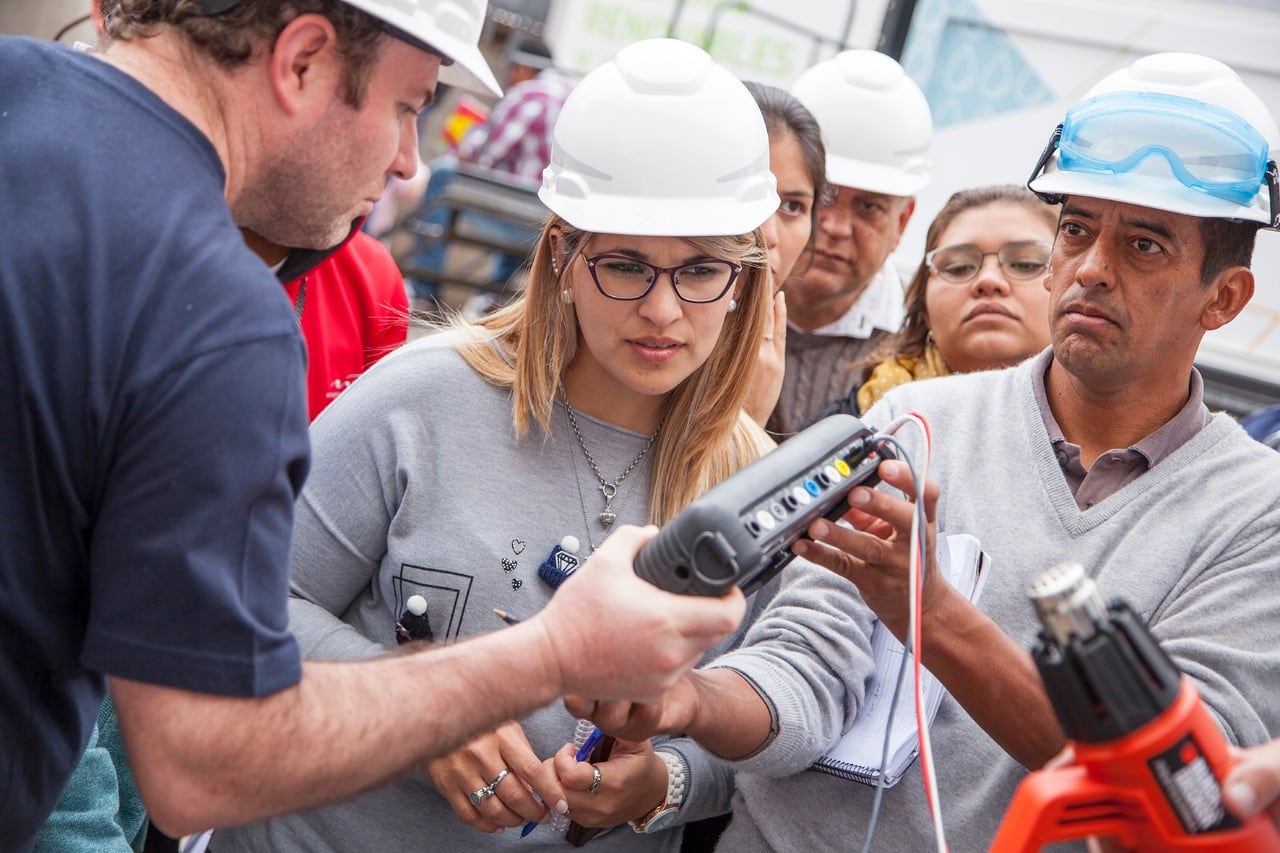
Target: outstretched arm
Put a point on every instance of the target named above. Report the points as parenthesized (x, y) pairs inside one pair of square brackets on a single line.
[(718, 708), (203, 760)]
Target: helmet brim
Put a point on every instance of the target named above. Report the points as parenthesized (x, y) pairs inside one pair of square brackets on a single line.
[(889, 180), (449, 29), (469, 69), (686, 218)]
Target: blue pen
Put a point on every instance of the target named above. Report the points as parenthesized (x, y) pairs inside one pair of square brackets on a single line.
[(589, 744), (582, 754)]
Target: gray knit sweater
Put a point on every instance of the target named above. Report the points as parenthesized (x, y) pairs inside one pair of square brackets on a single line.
[(1193, 545), (418, 486)]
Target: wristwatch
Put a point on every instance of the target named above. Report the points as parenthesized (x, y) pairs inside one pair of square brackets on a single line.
[(666, 812)]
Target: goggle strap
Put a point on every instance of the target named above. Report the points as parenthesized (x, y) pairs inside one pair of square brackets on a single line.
[(1045, 156), (1273, 184)]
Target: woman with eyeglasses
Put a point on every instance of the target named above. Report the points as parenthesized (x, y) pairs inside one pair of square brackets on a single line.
[(476, 469), (977, 300)]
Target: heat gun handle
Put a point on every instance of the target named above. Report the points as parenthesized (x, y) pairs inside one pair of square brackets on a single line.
[(1158, 788)]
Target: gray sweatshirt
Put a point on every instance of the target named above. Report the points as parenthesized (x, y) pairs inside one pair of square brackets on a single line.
[(419, 486), (1193, 545)]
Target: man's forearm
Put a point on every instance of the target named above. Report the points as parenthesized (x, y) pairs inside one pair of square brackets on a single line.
[(731, 720), (206, 760), (994, 680)]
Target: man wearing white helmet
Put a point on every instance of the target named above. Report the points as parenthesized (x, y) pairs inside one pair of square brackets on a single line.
[(1100, 450), (153, 419), (877, 127)]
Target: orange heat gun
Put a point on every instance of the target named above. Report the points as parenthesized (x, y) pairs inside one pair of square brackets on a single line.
[(1148, 757)]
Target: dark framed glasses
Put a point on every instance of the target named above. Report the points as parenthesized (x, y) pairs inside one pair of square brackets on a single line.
[(1021, 261), (625, 278)]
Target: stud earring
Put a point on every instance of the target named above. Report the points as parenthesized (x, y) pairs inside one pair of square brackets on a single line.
[(566, 296), (733, 304)]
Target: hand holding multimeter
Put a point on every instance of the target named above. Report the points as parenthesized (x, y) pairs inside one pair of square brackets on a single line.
[(741, 531)]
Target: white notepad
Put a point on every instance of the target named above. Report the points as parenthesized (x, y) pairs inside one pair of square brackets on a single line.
[(857, 754)]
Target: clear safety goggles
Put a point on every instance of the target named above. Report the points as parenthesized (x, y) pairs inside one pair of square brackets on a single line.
[(1207, 148)]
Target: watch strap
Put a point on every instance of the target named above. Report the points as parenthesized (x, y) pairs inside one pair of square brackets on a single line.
[(676, 788)]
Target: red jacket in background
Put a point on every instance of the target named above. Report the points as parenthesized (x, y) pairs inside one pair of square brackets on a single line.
[(354, 311)]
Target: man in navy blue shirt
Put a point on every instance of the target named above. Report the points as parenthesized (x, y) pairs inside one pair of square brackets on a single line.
[(153, 418)]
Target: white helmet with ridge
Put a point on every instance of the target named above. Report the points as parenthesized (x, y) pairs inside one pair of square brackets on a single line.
[(660, 141), (450, 28), (1173, 131), (875, 122)]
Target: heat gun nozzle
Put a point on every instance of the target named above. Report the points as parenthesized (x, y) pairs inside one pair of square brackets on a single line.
[(1067, 603)]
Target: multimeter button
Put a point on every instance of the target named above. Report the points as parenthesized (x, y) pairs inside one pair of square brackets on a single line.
[(843, 467), (789, 501), (822, 478), (832, 474), (753, 528), (812, 488), (765, 520), (778, 510), (800, 496)]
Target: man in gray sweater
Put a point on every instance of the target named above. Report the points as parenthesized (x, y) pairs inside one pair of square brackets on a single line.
[(1099, 451)]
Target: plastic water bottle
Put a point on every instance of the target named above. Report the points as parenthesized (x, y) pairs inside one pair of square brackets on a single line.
[(560, 822)]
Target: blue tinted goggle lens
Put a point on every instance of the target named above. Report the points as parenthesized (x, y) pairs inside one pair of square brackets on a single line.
[(1206, 147)]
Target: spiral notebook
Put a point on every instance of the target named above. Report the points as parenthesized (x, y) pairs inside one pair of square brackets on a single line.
[(857, 754)]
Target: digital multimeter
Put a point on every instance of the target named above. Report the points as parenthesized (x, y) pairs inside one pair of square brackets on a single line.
[(741, 531)]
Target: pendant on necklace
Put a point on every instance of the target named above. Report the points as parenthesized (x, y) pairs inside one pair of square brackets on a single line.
[(608, 516)]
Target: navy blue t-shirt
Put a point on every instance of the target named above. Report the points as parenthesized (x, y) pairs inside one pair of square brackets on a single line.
[(153, 425), (1264, 425)]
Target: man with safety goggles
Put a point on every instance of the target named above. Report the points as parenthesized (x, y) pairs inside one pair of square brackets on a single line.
[(1101, 449)]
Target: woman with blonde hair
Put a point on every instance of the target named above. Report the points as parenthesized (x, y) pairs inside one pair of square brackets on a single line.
[(475, 469)]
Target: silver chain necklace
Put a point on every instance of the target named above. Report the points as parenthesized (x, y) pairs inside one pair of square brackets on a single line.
[(609, 490), (582, 502)]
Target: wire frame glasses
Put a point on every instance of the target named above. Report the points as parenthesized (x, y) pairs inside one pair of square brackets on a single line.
[(1023, 260)]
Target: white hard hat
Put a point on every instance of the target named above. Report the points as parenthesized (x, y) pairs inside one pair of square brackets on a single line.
[(450, 28), (1173, 131), (875, 122), (660, 141)]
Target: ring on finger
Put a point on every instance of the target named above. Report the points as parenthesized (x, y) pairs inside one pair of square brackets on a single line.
[(595, 780), (481, 794)]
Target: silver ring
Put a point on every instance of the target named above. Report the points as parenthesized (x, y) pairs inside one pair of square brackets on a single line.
[(595, 780), (768, 337), (481, 794)]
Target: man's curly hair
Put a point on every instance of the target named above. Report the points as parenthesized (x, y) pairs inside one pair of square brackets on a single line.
[(230, 38)]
